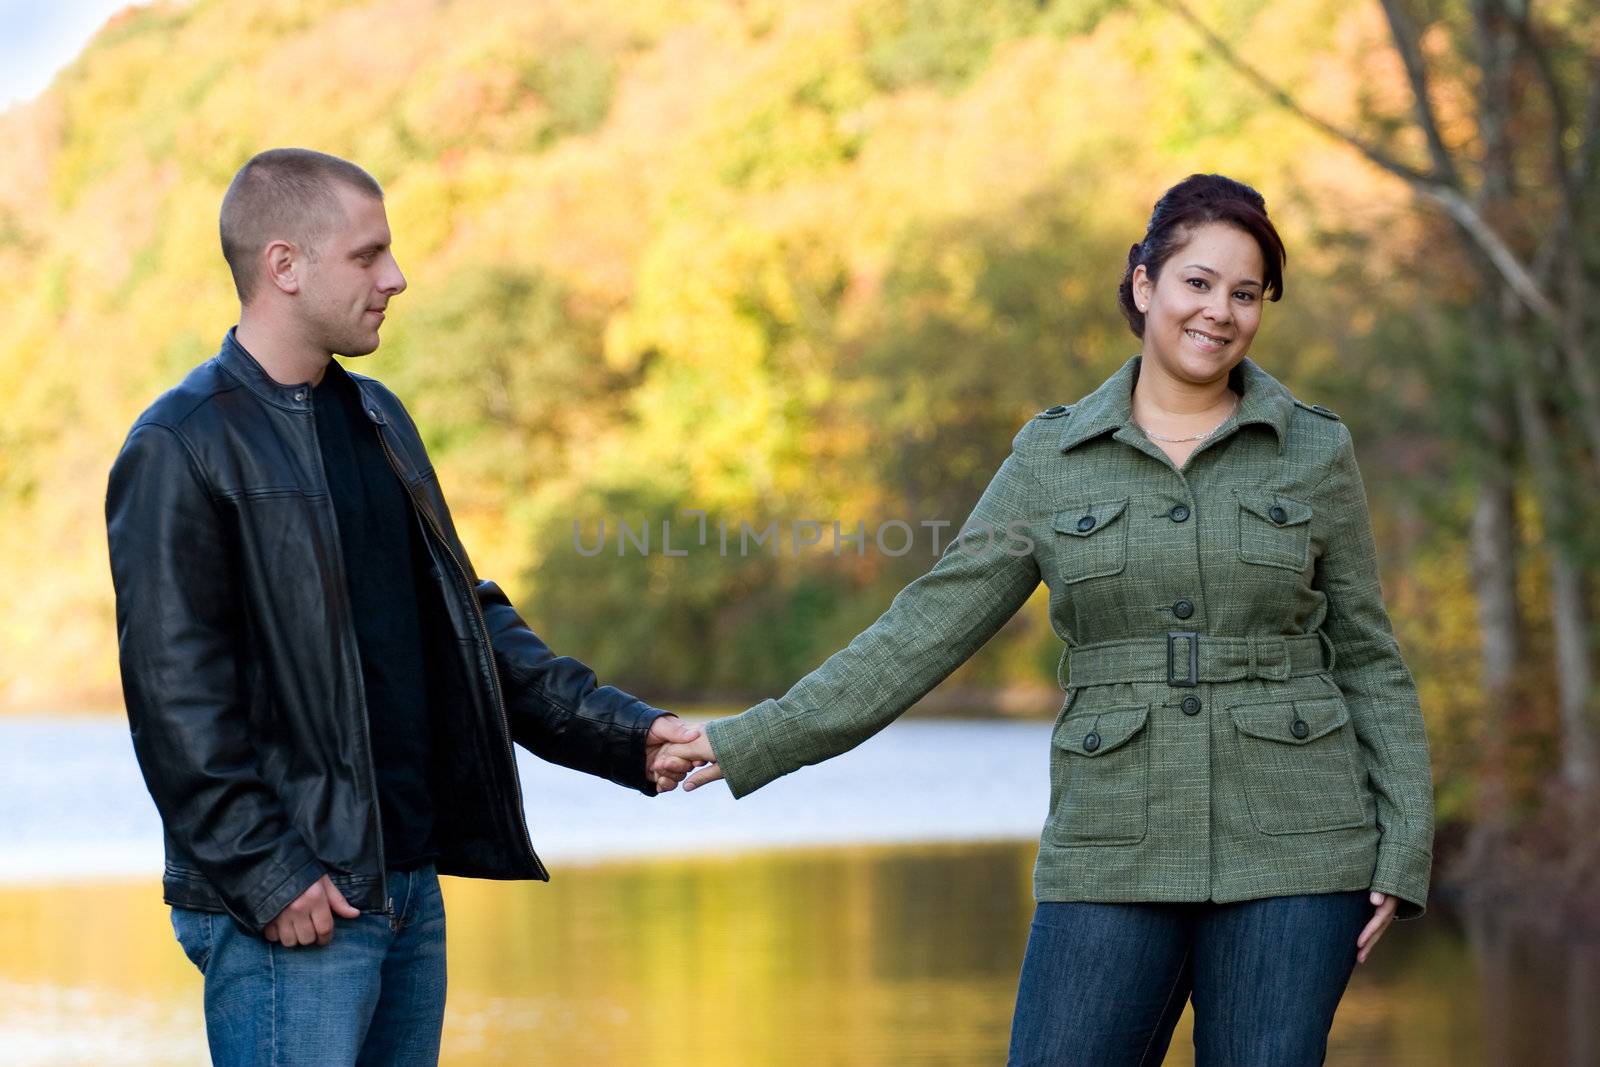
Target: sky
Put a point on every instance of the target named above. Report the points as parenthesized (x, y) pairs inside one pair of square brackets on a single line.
[(39, 37)]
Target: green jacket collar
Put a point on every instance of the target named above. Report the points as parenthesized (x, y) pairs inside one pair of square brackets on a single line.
[(1263, 400)]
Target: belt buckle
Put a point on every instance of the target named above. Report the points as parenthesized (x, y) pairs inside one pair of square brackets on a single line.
[(1192, 677)]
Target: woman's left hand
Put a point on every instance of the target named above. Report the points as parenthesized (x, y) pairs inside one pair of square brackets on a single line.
[(1377, 924)]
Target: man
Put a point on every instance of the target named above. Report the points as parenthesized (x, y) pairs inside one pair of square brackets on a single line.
[(322, 693)]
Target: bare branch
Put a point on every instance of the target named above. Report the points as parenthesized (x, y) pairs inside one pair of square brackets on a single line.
[(1511, 268), (1406, 43), (1442, 192), (1281, 97)]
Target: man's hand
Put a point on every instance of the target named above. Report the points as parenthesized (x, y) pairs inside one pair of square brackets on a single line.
[(666, 733), (696, 753), (309, 920), (1375, 927)]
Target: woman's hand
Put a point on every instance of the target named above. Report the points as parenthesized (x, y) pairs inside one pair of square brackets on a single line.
[(1375, 926), (699, 754)]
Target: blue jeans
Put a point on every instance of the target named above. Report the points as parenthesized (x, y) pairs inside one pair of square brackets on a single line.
[(1104, 984), (373, 995)]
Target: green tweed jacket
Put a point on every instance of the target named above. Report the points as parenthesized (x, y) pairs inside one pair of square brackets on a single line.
[(1238, 722)]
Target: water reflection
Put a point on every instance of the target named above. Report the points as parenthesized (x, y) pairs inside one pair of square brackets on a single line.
[(861, 957)]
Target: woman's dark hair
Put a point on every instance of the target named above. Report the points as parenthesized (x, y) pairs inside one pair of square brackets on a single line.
[(1199, 199)]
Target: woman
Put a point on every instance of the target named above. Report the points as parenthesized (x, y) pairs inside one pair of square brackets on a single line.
[(1240, 789)]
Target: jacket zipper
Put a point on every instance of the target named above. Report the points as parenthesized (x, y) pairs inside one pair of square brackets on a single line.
[(483, 633), (361, 686)]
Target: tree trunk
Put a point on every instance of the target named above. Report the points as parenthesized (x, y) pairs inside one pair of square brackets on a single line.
[(1569, 611), (1493, 553), (1494, 584)]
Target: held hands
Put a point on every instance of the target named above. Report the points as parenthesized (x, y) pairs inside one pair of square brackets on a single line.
[(661, 762), (309, 919), (696, 754), (1375, 927)]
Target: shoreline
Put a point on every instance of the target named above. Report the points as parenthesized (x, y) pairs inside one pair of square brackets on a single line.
[(73, 806)]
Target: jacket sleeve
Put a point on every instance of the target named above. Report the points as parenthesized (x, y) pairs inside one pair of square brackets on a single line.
[(557, 709), (1377, 686), (932, 627), (178, 628)]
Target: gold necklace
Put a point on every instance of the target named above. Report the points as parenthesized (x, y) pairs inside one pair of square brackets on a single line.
[(1196, 437)]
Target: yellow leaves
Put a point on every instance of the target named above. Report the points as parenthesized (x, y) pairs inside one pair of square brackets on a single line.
[(768, 247), (1452, 96), (420, 207)]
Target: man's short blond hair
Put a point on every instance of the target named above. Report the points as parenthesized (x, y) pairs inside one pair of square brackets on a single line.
[(284, 194)]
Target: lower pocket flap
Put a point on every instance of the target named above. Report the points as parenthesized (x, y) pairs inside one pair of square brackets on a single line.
[(1291, 722), (1103, 731)]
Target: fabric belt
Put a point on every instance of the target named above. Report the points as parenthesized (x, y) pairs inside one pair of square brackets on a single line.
[(1187, 658)]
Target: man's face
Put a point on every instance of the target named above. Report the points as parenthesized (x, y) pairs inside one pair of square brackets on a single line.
[(347, 285), (1202, 312)]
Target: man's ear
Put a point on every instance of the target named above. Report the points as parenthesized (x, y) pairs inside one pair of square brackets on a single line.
[(280, 260)]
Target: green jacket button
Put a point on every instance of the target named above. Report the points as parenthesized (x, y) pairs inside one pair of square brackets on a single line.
[(1183, 609), (1086, 524), (1091, 742), (1300, 729), (1179, 513), (1190, 705), (1277, 514)]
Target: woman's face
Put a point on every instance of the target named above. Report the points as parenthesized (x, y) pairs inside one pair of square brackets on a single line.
[(1202, 312)]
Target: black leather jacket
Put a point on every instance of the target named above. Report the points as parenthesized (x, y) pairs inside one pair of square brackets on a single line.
[(240, 667)]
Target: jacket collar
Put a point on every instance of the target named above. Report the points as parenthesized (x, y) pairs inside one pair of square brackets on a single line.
[(1263, 400), (238, 361), (242, 365)]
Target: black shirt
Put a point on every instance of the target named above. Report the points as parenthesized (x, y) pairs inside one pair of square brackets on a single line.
[(385, 563)]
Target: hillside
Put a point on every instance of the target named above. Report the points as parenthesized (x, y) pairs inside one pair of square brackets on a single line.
[(770, 261)]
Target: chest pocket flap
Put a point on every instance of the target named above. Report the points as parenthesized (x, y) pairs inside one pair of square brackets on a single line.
[(1274, 530), (1093, 541), (1088, 520), (1273, 508)]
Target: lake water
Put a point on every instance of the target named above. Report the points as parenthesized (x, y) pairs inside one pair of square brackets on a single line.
[(867, 913)]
